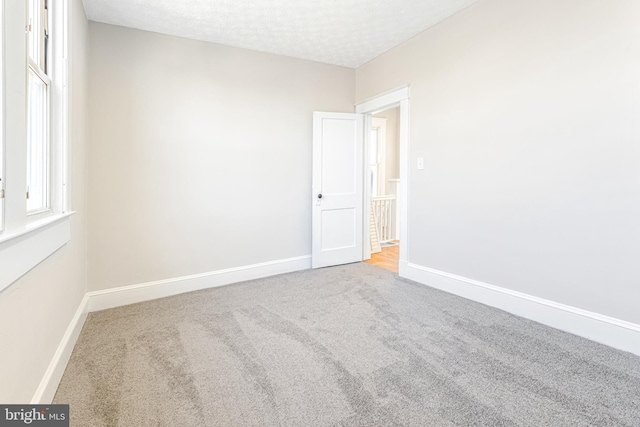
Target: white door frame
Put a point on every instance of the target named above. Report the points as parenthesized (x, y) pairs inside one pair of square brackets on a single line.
[(395, 98)]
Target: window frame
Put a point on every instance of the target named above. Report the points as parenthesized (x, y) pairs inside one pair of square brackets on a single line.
[(46, 148), (26, 240), (39, 41), (2, 120), (379, 126)]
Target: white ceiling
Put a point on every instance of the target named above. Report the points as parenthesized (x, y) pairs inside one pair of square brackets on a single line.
[(341, 32)]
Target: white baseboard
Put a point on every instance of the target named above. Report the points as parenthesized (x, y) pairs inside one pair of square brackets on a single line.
[(109, 298), (51, 379), (603, 329), (116, 297), (596, 327)]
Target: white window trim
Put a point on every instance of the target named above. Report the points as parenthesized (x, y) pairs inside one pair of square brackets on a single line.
[(379, 124), (23, 250), (2, 109), (37, 214), (26, 240)]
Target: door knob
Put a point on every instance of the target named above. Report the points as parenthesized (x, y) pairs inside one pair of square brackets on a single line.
[(320, 196)]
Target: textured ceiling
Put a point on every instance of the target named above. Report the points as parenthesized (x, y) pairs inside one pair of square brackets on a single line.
[(341, 32)]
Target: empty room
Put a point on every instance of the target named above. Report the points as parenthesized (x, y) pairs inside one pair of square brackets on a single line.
[(327, 213)]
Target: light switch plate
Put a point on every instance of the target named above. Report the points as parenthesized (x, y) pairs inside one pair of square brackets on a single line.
[(420, 163)]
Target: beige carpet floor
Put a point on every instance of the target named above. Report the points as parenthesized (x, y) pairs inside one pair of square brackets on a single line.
[(351, 345)]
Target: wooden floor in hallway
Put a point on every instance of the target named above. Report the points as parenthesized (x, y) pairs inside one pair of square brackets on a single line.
[(387, 259)]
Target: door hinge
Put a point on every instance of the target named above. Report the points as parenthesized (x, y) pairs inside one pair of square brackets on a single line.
[(1, 193)]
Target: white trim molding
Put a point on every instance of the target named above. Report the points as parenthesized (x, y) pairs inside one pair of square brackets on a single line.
[(383, 101), (23, 250), (116, 297), (51, 379), (596, 327)]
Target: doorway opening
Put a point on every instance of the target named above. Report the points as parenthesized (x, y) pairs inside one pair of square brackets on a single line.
[(383, 180), (392, 230)]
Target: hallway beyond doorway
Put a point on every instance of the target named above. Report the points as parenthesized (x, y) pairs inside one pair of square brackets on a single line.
[(387, 259)]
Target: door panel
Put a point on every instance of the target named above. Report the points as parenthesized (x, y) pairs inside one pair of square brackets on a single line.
[(333, 222), (337, 189), (338, 156)]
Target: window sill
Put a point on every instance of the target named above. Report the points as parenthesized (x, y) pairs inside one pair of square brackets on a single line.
[(22, 250)]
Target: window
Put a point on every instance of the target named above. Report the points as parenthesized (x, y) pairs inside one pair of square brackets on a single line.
[(2, 178), (38, 117), (376, 148), (374, 163), (33, 135)]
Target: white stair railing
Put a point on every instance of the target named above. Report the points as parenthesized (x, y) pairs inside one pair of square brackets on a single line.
[(394, 189), (383, 208), (373, 232)]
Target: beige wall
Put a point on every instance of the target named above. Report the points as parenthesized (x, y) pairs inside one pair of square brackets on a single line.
[(526, 113), (36, 310), (392, 145), (200, 154)]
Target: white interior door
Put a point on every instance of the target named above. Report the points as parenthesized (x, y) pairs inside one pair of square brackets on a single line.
[(337, 189)]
